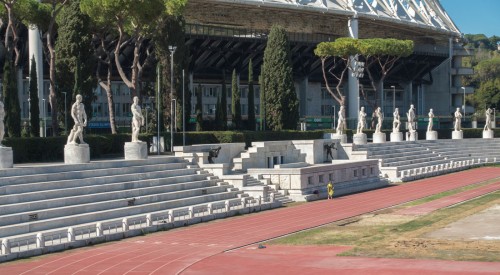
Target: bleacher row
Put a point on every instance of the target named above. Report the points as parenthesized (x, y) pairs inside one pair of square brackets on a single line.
[(45, 208), (403, 161)]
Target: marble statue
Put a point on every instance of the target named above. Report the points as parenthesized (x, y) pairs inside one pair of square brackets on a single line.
[(380, 119), (431, 121), (489, 116), (361, 120), (2, 126), (137, 119), (411, 118), (80, 118), (341, 121), (397, 121), (458, 120)]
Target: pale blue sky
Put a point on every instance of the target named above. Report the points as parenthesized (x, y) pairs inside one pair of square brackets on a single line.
[(475, 16)]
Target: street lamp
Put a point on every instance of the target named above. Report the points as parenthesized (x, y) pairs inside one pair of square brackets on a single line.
[(183, 113), (172, 51), (463, 106), (174, 107), (65, 114), (393, 97), (44, 122)]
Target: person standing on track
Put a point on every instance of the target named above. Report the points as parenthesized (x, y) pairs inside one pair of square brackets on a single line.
[(329, 188)]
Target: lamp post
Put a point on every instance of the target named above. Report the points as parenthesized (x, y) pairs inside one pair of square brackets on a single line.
[(172, 51), (65, 114), (463, 106), (158, 110), (44, 122), (174, 107), (183, 113), (393, 97)]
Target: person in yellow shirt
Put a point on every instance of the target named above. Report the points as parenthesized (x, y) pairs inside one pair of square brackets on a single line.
[(329, 188)]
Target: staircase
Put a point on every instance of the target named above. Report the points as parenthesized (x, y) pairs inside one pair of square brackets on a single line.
[(279, 195), (49, 199)]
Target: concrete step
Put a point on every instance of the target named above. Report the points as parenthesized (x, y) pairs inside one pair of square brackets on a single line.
[(124, 211), (160, 186), (114, 200), (60, 184), (81, 174)]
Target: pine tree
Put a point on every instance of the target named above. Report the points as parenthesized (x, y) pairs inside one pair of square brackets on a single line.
[(235, 103), (199, 112), (223, 105), (34, 108), (11, 101), (282, 104), (251, 103)]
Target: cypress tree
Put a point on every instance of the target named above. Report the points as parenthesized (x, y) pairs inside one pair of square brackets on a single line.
[(218, 115), (199, 112), (235, 103), (11, 101), (282, 104), (251, 103), (223, 105), (262, 104), (34, 108)]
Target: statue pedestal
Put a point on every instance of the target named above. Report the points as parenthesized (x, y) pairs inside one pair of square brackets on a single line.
[(411, 136), (431, 135), (359, 139), (76, 153), (457, 135), (343, 138), (136, 150), (6, 157), (379, 138), (488, 134), (396, 137)]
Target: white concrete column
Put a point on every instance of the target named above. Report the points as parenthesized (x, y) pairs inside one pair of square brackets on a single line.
[(35, 50), (353, 93), (71, 234), (5, 247), (40, 240), (98, 229)]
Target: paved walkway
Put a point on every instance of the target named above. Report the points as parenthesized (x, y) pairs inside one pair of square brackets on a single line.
[(179, 250)]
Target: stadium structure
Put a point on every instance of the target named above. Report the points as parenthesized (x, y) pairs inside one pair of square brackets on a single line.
[(223, 35)]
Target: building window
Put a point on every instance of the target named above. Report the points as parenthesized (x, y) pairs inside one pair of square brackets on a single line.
[(117, 110), (310, 180), (244, 92), (126, 110), (363, 172), (256, 92), (244, 109), (209, 109), (326, 110), (321, 179), (355, 173)]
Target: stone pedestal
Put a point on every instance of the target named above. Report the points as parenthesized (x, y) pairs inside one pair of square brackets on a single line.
[(343, 138), (76, 153), (411, 136), (396, 137), (136, 150), (6, 157), (488, 134), (431, 135), (359, 138), (457, 135), (379, 138)]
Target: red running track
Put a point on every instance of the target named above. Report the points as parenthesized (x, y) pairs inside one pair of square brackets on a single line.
[(177, 250)]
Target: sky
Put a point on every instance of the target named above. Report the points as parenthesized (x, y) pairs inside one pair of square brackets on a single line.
[(474, 16)]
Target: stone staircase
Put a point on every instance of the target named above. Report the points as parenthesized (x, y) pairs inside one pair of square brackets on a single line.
[(279, 195), (266, 155), (49, 199), (402, 161)]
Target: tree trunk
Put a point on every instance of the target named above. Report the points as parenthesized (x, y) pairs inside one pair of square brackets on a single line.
[(52, 79)]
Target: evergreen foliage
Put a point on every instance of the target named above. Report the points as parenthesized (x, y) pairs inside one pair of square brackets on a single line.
[(75, 57), (251, 95), (223, 105), (34, 101), (11, 101), (199, 109), (282, 104), (218, 115), (236, 103)]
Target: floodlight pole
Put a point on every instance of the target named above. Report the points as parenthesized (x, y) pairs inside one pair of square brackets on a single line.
[(183, 112), (393, 98), (172, 51)]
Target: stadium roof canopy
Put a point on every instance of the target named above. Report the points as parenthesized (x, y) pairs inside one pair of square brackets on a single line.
[(419, 13)]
